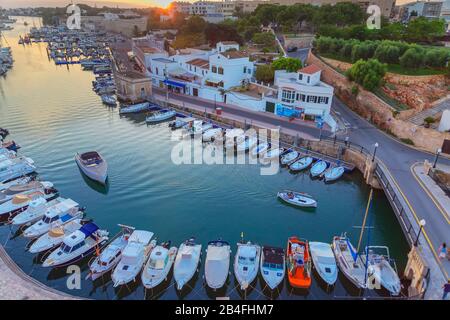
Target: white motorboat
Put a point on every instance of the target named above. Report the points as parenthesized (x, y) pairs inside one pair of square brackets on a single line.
[(158, 265), (6, 154), (186, 262), (273, 153), (247, 144), (161, 115), (78, 245), (133, 258), (289, 157), (318, 168), (273, 261), (109, 100), (260, 149), (54, 237), (217, 263), (20, 202), (349, 261), (111, 255), (39, 206), (381, 269), (135, 108), (11, 169), (301, 164), (333, 173), (54, 216), (233, 136), (246, 263), (93, 165), (298, 199), (24, 189), (17, 182), (212, 134), (324, 261), (206, 126)]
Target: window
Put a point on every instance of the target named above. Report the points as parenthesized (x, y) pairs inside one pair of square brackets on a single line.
[(220, 70), (288, 96), (323, 100), (312, 99), (157, 72), (297, 97), (214, 69), (300, 76), (245, 69), (307, 80), (302, 97)]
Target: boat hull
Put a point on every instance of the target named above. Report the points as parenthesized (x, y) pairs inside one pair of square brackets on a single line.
[(98, 173)]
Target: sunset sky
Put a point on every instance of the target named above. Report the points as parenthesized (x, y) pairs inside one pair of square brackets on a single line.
[(120, 3)]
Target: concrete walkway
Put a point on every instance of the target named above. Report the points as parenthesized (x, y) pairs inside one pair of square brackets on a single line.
[(16, 285)]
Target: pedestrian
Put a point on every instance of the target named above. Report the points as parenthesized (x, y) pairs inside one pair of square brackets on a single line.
[(443, 251), (446, 288)]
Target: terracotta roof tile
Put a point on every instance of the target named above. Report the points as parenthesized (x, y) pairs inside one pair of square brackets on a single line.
[(311, 69)]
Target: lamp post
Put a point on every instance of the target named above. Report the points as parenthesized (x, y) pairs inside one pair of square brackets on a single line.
[(438, 152), (374, 151), (346, 141), (421, 224)]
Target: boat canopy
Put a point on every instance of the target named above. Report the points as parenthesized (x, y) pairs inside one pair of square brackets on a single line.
[(20, 198), (141, 236), (247, 251), (89, 228), (273, 255)]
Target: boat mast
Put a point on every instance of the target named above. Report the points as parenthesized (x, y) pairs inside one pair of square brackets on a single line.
[(365, 219)]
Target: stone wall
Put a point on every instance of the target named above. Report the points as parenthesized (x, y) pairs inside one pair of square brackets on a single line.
[(377, 111)]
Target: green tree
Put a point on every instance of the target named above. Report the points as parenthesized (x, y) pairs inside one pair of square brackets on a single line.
[(413, 57), (264, 73), (288, 64), (368, 73), (436, 58), (264, 39)]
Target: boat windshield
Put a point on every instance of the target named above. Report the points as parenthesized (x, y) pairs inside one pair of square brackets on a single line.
[(246, 261), (274, 266), (49, 219), (158, 264), (65, 248)]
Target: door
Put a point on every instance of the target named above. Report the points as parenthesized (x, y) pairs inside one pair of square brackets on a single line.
[(195, 92)]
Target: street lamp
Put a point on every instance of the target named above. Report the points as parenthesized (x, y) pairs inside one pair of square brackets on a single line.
[(346, 140), (421, 224), (438, 152), (374, 151)]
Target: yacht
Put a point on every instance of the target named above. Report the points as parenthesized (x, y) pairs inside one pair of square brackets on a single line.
[(11, 169), (24, 189), (16, 182)]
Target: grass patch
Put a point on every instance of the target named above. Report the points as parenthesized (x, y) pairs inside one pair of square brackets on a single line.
[(407, 141), (398, 106)]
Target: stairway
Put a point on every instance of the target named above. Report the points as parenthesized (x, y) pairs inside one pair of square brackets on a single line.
[(419, 117)]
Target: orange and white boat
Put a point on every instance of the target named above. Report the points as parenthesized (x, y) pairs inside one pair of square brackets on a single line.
[(298, 263)]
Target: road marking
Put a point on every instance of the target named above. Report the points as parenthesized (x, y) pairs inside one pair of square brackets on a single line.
[(444, 214)]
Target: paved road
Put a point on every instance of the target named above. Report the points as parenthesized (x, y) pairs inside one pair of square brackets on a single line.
[(301, 53), (399, 158)]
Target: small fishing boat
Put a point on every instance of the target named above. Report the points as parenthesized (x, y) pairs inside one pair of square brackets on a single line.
[(247, 144), (381, 269), (78, 245), (12, 169), (273, 154), (111, 255), (233, 136), (333, 174), (301, 164), (93, 165), (260, 149), (158, 265), (54, 237), (217, 263), (135, 108), (162, 115), (179, 122), (206, 126), (24, 189), (16, 182), (273, 266), (186, 262), (318, 168), (135, 254), (349, 261), (298, 199), (10, 145), (324, 261), (109, 100), (39, 206), (298, 263), (52, 217), (212, 134), (246, 263), (289, 157)]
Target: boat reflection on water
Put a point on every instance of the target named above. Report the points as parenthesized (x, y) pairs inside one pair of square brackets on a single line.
[(97, 186)]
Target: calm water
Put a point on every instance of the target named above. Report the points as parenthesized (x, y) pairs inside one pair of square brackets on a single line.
[(53, 113)]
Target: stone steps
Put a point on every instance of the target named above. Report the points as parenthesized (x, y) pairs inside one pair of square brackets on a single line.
[(420, 117)]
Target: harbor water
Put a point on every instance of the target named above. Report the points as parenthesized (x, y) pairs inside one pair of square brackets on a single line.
[(52, 112)]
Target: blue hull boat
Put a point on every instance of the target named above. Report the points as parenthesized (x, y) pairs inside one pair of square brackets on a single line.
[(318, 168), (333, 174)]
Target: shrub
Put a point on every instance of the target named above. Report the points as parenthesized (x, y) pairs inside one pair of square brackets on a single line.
[(407, 141), (368, 73), (412, 58), (429, 120), (288, 64), (264, 73), (355, 90)]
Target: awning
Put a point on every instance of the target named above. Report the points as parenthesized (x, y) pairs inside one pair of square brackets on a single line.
[(216, 81), (174, 84), (314, 112)]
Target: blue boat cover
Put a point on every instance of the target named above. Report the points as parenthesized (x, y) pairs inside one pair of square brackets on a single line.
[(89, 228)]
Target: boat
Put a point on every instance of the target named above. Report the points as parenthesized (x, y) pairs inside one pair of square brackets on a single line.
[(54, 237), (158, 265), (212, 134), (4, 132), (247, 144), (334, 173), (273, 154), (93, 165), (78, 245), (233, 136), (111, 255), (260, 149), (186, 262), (206, 126), (52, 217), (135, 108), (324, 261), (162, 115), (273, 266), (12, 169), (9, 193), (246, 263), (318, 168), (20, 202), (217, 263), (16, 182), (179, 122), (109, 100), (289, 157), (10, 145), (135, 254), (381, 269), (301, 164), (39, 206), (298, 263), (298, 199), (349, 261)]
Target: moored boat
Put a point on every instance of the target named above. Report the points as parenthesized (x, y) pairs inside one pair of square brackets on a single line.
[(109, 100), (289, 157), (212, 134), (186, 262), (161, 115), (24, 189), (247, 144), (12, 169), (298, 263), (273, 266), (301, 164), (135, 108), (158, 265), (260, 149), (16, 182), (298, 199), (246, 263), (93, 165), (333, 173), (217, 263), (318, 168), (273, 154), (324, 261)]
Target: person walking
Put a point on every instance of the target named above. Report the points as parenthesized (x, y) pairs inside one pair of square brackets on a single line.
[(443, 251), (446, 288)]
